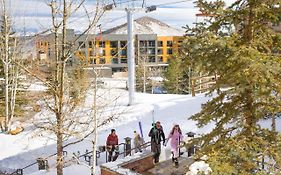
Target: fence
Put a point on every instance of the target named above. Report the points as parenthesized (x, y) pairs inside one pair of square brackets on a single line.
[(202, 83), (127, 150)]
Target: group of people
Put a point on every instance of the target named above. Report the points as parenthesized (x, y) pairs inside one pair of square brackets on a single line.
[(157, 136)]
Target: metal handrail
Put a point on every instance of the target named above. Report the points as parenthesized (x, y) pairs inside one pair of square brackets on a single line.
[(145, 145)]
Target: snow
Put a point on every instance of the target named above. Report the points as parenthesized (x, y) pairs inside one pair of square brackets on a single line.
[(23, 149), (199, 167), (115, 166), (74, 169), (38, 86), (147, 25)]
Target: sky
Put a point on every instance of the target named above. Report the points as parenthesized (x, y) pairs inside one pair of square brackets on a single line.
[(34, 15)]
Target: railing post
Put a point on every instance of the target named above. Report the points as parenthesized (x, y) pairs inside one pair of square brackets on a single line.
[(191, 149), (19, 172), (127, 146), (42, 163), (97, 156), (87, 157)]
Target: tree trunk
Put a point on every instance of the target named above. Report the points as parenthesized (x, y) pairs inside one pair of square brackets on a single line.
[(14, 86), (95, 139), (60, 160), (6, 63), (273, 124)]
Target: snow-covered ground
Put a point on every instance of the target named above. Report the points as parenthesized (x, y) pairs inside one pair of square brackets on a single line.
[(21, 150)]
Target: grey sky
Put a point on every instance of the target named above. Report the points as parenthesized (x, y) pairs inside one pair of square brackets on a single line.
[(34, 15)]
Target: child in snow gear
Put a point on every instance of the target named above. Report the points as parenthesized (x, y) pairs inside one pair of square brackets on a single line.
[(138, 141), (175, 136), (112, 145), (156, 133)]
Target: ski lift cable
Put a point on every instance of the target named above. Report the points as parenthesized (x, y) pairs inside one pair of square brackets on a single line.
[(171, 3), (123, 2)]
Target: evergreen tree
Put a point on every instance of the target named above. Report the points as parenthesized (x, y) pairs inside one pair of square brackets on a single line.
[(238, 44), (176, 75)]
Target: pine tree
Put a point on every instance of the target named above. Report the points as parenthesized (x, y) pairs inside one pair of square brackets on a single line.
[(176, 76), (238, 44)]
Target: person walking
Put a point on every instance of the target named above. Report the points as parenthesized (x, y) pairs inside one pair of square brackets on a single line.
[(112, 145), (157, 135), (138, 142), (175, 136)]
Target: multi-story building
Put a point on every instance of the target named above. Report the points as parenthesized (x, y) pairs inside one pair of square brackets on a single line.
[(155, 43)]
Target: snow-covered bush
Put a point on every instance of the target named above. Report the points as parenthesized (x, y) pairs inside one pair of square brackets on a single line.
[(199, 167)]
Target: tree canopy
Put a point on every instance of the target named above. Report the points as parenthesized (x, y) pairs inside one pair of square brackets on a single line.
[(238, 44)]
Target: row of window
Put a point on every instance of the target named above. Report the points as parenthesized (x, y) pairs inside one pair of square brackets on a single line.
[(151, 51), (143, 51), (151, 43), (124, 60), (101, 44), (113, 52), (114, 44)]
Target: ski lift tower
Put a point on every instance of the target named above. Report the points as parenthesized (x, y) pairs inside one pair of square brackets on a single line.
[(130, 42)]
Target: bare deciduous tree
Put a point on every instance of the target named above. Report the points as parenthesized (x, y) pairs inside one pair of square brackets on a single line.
[(8, 55)]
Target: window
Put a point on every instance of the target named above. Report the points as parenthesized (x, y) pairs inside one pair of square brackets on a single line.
[(124, 52), (142, 43), (93, 61), (102, 61), (114, 61), (123, 60), (123, 44), (151, 59), (170, 51), (151, 43), (160, 43), (113, 52), (169, 43), (81, 44), (151, 51), (91, 53), (143, 51), (90, 44), (160, 59), (102, 44), (103, 52), (113, 44), (160, 51)]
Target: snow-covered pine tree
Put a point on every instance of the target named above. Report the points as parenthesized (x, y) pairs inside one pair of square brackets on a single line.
[(238, 44)]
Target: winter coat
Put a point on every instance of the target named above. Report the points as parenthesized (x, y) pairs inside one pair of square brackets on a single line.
[(112, 140), (156, 135), (175, 137), (138, 140)]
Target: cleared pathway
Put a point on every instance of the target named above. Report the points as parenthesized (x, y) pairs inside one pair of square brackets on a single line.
[(167, 167)]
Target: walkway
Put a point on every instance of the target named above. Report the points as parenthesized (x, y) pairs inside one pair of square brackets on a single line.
[(167, 167)]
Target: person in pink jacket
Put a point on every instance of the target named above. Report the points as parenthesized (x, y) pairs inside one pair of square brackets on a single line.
[(175, 136)]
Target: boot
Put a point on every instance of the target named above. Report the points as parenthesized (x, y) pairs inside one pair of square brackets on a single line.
[(176, 162)]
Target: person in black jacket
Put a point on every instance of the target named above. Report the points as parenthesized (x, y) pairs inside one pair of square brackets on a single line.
[(157, 135)]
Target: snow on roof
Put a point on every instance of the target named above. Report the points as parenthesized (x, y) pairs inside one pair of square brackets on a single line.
[(147, 25), (115, 166)]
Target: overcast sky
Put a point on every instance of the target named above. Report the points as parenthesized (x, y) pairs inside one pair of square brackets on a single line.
[(34, 15)]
